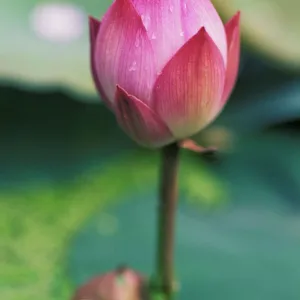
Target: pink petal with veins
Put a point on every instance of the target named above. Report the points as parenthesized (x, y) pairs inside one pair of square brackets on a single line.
[(123, 53), (186, 95), (201, 13), (94, 25), (140, 122), (162, 20), (233, 59)]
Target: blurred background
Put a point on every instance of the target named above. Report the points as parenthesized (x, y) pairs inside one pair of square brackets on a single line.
[(77, 197)]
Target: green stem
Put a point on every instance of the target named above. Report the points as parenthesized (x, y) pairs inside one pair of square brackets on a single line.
[(166, 220)]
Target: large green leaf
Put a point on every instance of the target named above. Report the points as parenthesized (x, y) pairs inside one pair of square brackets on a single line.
[(246, 250), (37, 220), (37, 61), (261, 106), (271, 26)]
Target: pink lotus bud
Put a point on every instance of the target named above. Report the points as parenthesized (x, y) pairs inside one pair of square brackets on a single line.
[(123, 284), (164, 67)]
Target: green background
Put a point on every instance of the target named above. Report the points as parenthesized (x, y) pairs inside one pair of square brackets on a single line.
[(77, 197)]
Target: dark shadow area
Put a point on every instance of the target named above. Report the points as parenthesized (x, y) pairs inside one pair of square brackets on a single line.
[(53, 136)]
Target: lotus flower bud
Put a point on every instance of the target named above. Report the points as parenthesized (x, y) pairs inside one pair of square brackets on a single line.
[(164, 67), (122, 284)]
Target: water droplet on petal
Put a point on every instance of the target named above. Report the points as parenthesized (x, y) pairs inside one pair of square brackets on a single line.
[(153, 36), (181, 33), (184, 6), (171, 8), (137, 40), (132, 67)]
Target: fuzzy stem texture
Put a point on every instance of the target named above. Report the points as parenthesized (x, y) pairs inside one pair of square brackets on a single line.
[(168, 194)]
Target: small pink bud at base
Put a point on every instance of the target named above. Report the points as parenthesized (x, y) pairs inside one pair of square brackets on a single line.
[(121, 284)]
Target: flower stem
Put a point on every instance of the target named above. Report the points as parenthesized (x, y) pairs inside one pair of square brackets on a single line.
[(166, 220)]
